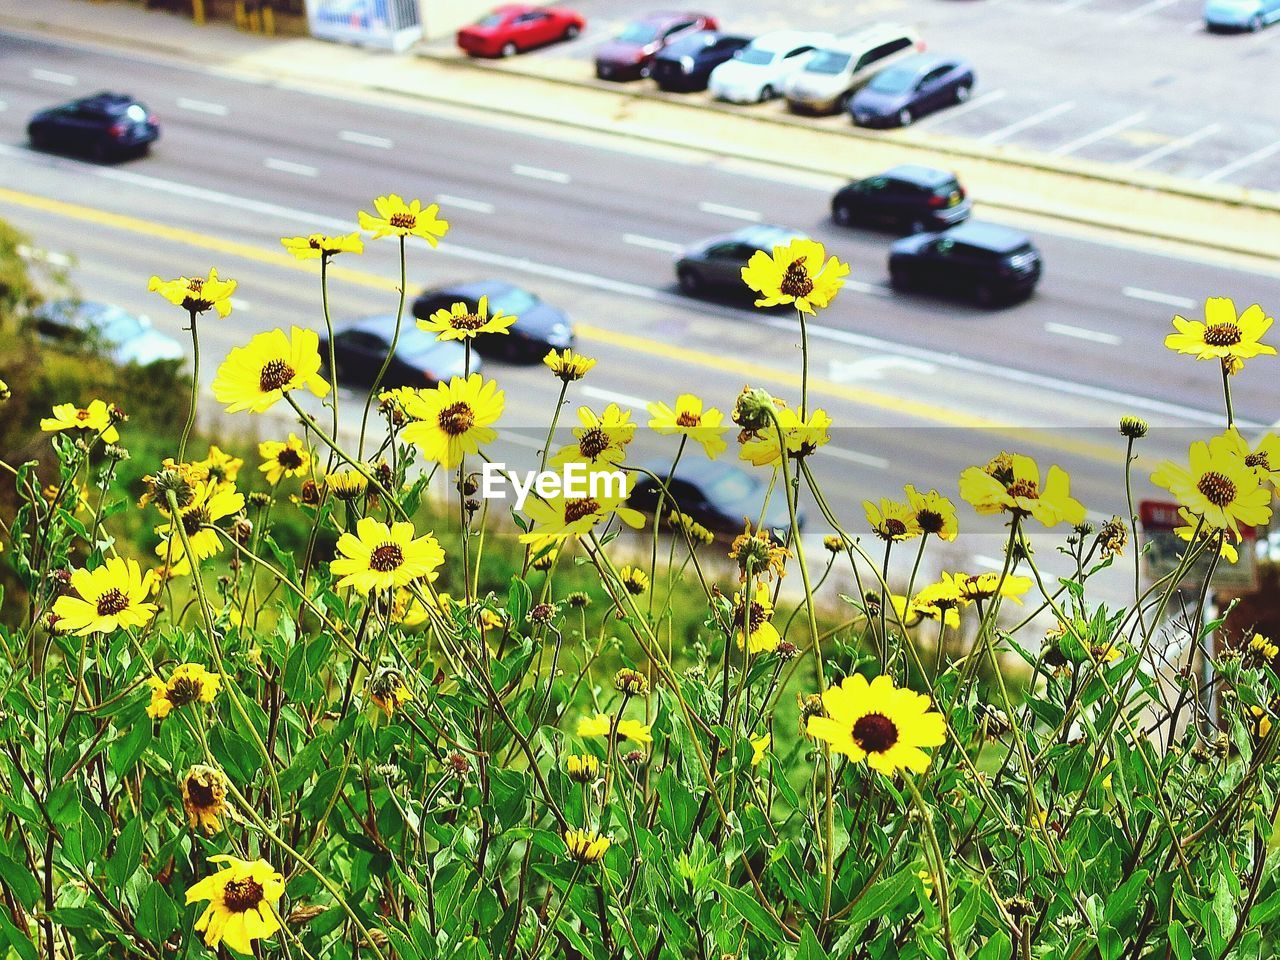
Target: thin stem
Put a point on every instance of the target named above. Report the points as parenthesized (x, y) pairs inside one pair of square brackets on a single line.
[(386, 364), (195, 388)]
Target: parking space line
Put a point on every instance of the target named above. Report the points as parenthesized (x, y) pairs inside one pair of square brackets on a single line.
[(1071, 146), (1150, 7), (203, 106), (942, 116), (1240, 163), (288, 166), (366, 139), (651, 243), (1173, 146), (538, 173), (611, 396), (1082, 333), (1155, 296), (53, 76), (462, 203), (738, 213), (1004, 133), (3, 106)]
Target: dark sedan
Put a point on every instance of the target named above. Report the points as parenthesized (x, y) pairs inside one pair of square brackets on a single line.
[(629, 55), (916, 86), (990, 263), (684, 66), (717, 494), (539, 327), (716, 264), (360, 347), (910, 198), (105, 126), (124, 337)]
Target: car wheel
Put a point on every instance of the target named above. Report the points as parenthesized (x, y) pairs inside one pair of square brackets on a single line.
[(571, 31), (766, 93), (842, 214), (900, 277), (690, 280), (904, 117), (962, 93), (509, 49)]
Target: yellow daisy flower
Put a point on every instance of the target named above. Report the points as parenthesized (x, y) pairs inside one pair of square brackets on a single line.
[(878, 723), (1217, 485), (630, 730), (689, 419), (559, 517), (346, 485), (582, 767), (891, 521), (1263, 459), (586, 846), (601, 439), (759, 747), (935, 600), (1225, 548), (189, 683), (634, 580), (242, 898), (1011, 483), (756, 552), (256, 376), (910, 614), (454, 419), (106, 599), (567, 365), (1222, 335), (95, 418), (204, 797), (218, 466), (378, 557), (209, 504), (690, 527), (317, 245), (802, 437), (460, 323), (752, 629), (197, 294), (389, 690), (280, 460), (798, 273), (984, 586), (399, 219), (935, 514), (5, 392), (1263, 648)]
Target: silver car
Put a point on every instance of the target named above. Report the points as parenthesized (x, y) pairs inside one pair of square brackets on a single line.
[(716, 263), (124, 337)]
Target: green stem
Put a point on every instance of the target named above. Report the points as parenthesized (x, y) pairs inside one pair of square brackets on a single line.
[(386, 364), (195, 389)]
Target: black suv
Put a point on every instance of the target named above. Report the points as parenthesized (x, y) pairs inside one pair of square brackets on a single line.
[(687, 64), (105, 126), (909, 198), (987, 262)]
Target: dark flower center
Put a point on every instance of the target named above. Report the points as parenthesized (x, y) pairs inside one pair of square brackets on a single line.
[(875, 733), (1024, 488), (1222, 335), (457, 418), (688, 419), (1259, 459), (112, 602), (200, 793), (184, 690), (241, 896), (82, 414), (796, 281), (1217, 489), (403, 221), (275, 375), (894, 527), (930, 521), (194, 519), (467, 321), (575, 510), (593, 442), (196, 284), (289, 458), (313, 242), (754, 613), (386, 557)]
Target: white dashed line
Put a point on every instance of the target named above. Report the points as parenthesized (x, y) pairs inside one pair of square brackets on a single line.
[(649, 243), (1082, 333), (991, 563), (852, 456), (288, 166), (738, 213), (1155, 296), (982, 100), (1070, 5), (612, 397), (1150, 7), (366, 139), (53, 76), (538, 173), (1173, 146), (203, 106), (3, 106), (462, 203), (44, 256), (1071, 146), (1004, 133), (1240, 163), (238, 304)]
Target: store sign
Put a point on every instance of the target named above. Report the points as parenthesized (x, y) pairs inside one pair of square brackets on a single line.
[(1162, 552)]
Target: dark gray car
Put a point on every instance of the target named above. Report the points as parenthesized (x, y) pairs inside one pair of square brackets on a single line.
[(539, 327), (918, 85), (716, 263)]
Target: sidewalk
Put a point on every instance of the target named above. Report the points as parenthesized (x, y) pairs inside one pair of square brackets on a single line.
[(1227, 219)]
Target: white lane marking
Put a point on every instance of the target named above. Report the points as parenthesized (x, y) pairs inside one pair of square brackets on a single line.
[(1070, 5), (366, 139), (1071, 146), (876, 368), (462, 203), (610, 396), (1240, 163), (982, 100), (45, 256), (991, 563), (1173, 146), (3, 106), (1150, 7), (238, 304), (853, 456), (1082, 333), (1004, 133), (649, 243), (288, 166), (203, 106), (540, 173), (738, 213), (53, 76), (1155, 296)]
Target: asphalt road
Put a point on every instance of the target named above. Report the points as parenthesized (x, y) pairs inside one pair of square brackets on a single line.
[(919, 388)]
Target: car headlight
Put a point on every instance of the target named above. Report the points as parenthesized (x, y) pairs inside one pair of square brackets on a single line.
[(686, 64)]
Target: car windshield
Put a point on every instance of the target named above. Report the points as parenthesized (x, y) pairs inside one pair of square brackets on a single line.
[(732, 488), (828, 61), (514, 301), (754, 56), (893, 81), (492, 20), (414, 341), (639, 33)]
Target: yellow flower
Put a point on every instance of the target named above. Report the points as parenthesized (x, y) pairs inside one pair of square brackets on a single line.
[(756, 552), (5, 392), (984, 586), (197, 294), (242, 898), (218, 466), (189, 683), (204, 797), (256, 376), (802, 437), (460, 323), (1108, 652), (586, 846), (106, 599), (879, 723), (288, 459), (582, 767), (602, 439), (891, 521), (558, 517), (399, 219), (689, 419), (634, 580), (1263, 647), (600, 725), (346, 485), (1259, 722), (1225, 548), (1264, 459), (910, 614), (759, 745), (454, 419), (378, 557), (690, 527), (935, 600), (1222, 335), (795, 274), (567, 365), (317, 245), (1011, 483), (1217, 486), (935, 514), (752, 629), (389, 691), (209, 504), (95, 418)]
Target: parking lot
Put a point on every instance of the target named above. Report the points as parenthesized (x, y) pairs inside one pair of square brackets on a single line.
[(1138, 83)]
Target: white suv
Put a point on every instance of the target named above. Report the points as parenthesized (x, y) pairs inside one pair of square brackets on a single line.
[(837, 70), (759, 71)]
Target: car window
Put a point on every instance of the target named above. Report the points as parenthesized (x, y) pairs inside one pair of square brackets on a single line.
[(874, 184), (894, 80), (722, 251), (116, 326), (798, 51), (492, 20), (934, 75), (755, 56), (828, 62), (733, 487), (678, 27), (513, 301), (944, 247), (639, 33), (885, 49)]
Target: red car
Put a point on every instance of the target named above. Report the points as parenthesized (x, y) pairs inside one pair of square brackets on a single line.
[(629, 55), (517, 27)]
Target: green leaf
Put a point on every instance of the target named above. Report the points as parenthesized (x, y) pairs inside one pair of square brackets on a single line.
[(882, 898), (157, 916), (1179, 941), (19, 879), (749, 909), (16, 939), (810, 948), (519, 600), (128, 853)]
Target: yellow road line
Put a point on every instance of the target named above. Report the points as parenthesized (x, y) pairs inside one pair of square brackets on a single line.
[(747, 369)]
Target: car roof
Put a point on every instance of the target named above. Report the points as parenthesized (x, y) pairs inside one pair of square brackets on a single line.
[(695, 41), (860, 40), (778, 40), (666, 16), (767, 235), (922, 62), (918, 173), (988, 236), (106, 102), (471, 290)]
